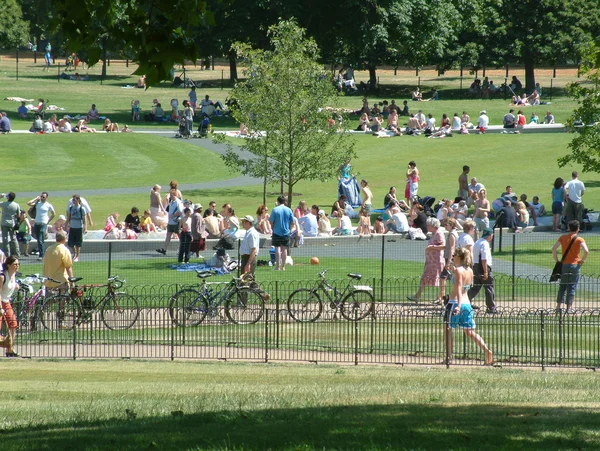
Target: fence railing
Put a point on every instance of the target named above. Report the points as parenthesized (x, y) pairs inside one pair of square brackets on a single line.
[(396, 331)]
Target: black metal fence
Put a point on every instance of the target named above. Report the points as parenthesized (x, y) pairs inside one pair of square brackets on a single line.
[(531, 333)]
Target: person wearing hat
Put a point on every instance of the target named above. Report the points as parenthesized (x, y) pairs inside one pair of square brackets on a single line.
[(483, 122), (198, 231), (249, 246), (482, 270)]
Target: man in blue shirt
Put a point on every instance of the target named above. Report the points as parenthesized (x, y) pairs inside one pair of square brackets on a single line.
[(281, 220), (4, 123)]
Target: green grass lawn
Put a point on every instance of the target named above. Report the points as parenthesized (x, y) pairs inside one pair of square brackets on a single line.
[(138, 405), (77, 162)]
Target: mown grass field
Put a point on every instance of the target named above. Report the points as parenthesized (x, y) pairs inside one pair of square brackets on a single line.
[(145, 405)]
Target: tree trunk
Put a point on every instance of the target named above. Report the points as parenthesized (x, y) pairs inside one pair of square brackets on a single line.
[(232, 67), (529, 74), (372, 77)]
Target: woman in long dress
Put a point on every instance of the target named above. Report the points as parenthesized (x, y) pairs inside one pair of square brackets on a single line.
[(434, 260)]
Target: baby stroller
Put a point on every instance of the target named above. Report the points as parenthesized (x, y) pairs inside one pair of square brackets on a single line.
[(181, 131), (427, 203), (203, 127)]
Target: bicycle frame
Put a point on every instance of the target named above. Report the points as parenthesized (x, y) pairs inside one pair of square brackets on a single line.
[(216, 299), (326, 288)]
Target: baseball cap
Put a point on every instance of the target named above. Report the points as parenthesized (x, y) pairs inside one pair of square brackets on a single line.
[(248, 218), (487, 232)]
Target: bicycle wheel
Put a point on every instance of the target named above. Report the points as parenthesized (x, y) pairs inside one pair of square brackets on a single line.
[(357, 305), (245, 306), (59, 312), (305, 305), (188, 307), (18, 305), (120, 311)]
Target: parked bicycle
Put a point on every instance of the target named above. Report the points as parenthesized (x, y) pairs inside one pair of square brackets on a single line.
[(354, 302), (243, 302), (118, 310), (26, 303)]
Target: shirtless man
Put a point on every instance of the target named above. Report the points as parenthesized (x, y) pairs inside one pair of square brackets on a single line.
[(463, 183), (413, 123), (482, 210)]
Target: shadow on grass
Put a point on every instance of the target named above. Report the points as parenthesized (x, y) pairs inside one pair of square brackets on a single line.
[(340, 427)]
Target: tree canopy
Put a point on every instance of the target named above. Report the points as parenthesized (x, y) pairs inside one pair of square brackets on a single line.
[(283, 95), (14, 30), (585, 122), (160, 32)]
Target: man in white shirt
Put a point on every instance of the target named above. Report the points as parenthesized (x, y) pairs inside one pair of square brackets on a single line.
[(574, 190), (249, 246), (308, 223), (482, 270), (44, 213), (483, 122)]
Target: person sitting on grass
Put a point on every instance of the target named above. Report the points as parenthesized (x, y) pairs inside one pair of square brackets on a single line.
[(110, 126), (22, 111), (38, 125), (82, 127), (93, 113)]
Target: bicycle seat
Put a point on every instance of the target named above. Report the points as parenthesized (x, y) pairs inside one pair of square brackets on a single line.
[(75, 279), (205, 274), (355, 276)]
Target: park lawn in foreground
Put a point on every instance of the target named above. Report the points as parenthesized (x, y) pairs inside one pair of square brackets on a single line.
[(183, 405)]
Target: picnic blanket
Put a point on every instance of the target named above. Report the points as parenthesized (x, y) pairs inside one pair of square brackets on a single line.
[(186, 267)]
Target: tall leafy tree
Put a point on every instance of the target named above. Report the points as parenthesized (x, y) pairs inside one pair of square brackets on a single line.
[(160, 32), (14, 30), (543, 31), (585, 146), (283, 95)]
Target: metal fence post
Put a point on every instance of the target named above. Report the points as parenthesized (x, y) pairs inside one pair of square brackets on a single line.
[(355, 337), (277, 313), (372, 315), (267, 312), (109, 258), (514, 264), (382, 265), (74, 312), (542, 341)]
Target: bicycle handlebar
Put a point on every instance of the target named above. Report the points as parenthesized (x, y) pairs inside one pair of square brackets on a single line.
[(322, 273)]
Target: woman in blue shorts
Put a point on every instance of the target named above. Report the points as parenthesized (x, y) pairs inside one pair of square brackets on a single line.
[(558, 196), (459, 312)]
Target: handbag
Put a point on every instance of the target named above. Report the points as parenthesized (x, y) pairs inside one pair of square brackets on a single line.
[(557, 270)]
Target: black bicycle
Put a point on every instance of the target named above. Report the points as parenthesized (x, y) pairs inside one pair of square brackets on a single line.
[(243, 301), (354, 302)]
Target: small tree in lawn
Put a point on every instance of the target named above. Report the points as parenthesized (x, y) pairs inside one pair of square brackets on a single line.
[(284, 95), (585, 146)]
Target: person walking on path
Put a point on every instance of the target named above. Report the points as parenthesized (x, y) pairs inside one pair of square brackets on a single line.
[(281, 220), (76, 226), (174, 211), (482, 264), (459, 312), (44, 213), (572, 259), (10, 216), (9, 284), (434, 260), (574, 191), (249, 246)]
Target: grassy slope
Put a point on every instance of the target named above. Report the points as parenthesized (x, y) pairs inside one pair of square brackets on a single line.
[(133, 405)]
